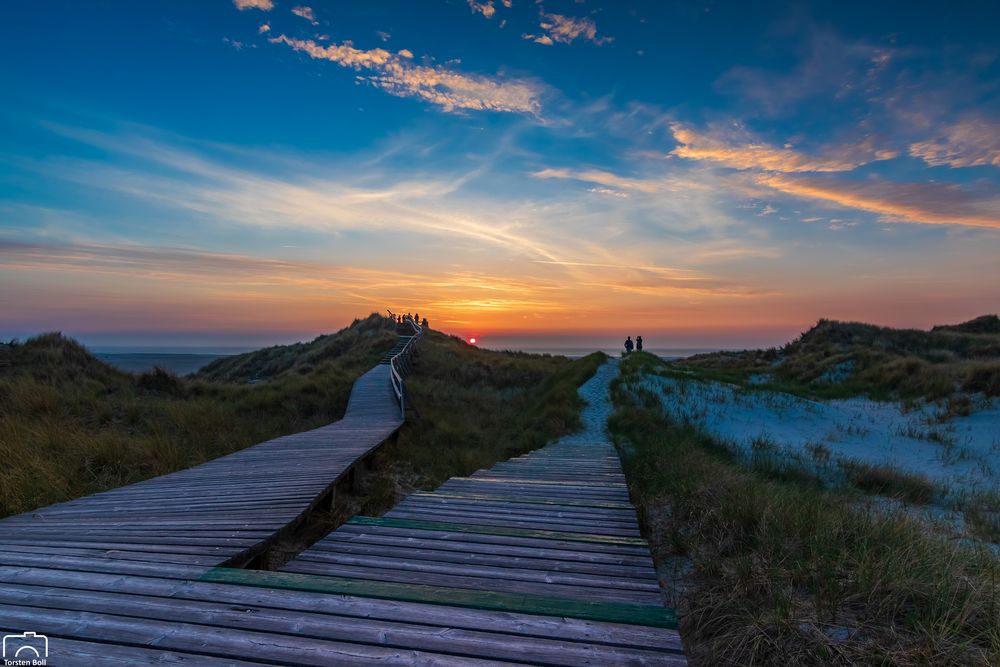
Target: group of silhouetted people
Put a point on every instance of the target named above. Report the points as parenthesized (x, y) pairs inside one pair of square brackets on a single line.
[(415, 318), (629, 345)]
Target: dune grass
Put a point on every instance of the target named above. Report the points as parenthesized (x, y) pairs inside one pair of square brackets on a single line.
[(72, 425), (787, 572), (843, 359), (473, 408)]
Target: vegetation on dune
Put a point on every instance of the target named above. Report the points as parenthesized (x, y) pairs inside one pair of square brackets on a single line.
[(71, 424), (777, 569), (839, 359), (357, 347), (477, 407)]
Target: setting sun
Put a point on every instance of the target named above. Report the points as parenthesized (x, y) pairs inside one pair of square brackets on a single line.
[(472, 340)]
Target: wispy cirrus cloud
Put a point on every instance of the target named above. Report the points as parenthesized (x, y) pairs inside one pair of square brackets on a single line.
[(971, 142), (928, 203), (738, 150), (600, 177), (828, 67), (448, 89), (265, 5), (564, 29), (308, 197)]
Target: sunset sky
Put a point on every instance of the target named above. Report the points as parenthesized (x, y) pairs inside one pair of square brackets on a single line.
[(247, 172)]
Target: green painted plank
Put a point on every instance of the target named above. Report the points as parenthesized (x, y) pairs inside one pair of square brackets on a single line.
[(526, 500), (446, 527), (611, 612)]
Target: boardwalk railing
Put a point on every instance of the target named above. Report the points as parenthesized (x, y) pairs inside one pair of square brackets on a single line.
[(400, 361)]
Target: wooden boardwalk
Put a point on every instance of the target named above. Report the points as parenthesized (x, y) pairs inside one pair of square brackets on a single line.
[(537, 561), (221, 511)]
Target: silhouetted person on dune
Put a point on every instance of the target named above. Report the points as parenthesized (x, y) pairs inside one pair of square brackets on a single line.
[(638, 343), (629, 345)]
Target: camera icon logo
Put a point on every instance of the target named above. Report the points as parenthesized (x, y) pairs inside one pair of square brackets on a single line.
[(26, 646)]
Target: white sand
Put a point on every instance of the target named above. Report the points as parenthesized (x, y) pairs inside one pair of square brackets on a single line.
[(873, 432)]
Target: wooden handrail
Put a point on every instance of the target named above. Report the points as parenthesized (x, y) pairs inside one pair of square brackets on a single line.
[(399, 365)]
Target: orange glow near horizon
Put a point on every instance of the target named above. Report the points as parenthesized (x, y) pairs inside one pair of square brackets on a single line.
[(104, 289)]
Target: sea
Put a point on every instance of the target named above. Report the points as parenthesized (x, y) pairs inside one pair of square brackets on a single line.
[(180, 361), (184, 361)]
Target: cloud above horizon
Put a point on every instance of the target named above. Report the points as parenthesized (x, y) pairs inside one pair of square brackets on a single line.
[(264, 5), (604, 178), (485, 8), (438, 85), (928, 203), (305, 13), (971, 142), (736, 149), (565, 29)]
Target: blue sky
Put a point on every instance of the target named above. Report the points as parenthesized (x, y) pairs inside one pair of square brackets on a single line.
[(255, 171)]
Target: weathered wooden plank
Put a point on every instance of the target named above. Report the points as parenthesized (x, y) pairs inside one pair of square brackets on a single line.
[(505, 572), (533, 561), (217, 641), (75, 653), (453, 527), (435, 616), (484, 519), (482, 644), (188, 559), (480, 584), (523, 501), (637, 551), (635, 614), (500, 505)]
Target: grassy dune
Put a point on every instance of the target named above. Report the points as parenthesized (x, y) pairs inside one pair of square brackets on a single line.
[(72, 425), (476, 407), (773, 569), (839, 359)]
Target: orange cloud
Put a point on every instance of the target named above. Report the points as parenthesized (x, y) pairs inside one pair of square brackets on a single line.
[(265, 5), (448, 89), (306, 13), (973, 142), (928, 203), (741, 152), (485, 8), (565, 29)]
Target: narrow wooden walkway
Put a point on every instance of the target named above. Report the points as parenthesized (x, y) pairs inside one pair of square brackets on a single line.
[(221, 511), (535, 561), (549, 537)]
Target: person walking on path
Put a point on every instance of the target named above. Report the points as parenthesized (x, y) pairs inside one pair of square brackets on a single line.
[(638, 343), (629, 345)]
